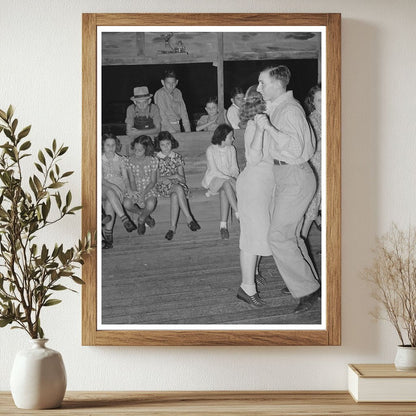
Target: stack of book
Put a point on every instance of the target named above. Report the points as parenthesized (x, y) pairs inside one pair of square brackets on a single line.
[(381, 383)]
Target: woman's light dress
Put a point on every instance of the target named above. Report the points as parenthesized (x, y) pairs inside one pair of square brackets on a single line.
[(255, 186), (221, 166)]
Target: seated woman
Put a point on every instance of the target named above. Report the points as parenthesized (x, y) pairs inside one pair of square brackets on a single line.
[(171, 182), (222, 171), (142, 117)]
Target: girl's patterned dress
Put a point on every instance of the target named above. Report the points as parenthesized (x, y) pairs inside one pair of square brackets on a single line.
[(168, 166), (141, 171), (112, 172)]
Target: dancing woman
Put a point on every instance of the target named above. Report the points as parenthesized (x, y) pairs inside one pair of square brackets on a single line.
[(254, 195)]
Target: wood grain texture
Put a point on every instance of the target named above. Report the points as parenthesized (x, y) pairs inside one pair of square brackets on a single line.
[(331, 336), (333, 194), (259, 403), (89, 172), (380, 371)]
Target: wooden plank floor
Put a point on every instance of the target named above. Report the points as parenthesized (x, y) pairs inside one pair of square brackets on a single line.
[(192, 279)]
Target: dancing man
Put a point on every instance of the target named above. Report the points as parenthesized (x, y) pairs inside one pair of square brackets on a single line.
[(292, 145)]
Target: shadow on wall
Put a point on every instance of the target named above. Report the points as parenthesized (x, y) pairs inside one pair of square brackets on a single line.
[(360, 180)]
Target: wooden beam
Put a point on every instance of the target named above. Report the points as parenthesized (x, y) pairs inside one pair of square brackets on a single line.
[(140, 42), (220, 72)]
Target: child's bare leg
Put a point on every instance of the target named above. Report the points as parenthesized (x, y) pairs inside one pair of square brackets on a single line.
[(183, 203), (229, 191), (109, 210), (150, 205), (130, 206), (224, 206), (112, 197), (174, 211), (108, 227)]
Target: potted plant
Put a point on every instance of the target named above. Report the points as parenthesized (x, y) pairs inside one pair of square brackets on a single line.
[(393, 277), (31, 272)]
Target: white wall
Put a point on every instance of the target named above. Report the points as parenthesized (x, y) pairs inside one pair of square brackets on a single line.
[(40, 39)]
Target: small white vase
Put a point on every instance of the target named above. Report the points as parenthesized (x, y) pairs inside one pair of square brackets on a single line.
[(405, 358), (38, 377)]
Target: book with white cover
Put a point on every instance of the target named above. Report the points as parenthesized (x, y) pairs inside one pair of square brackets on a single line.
[(381, 383)]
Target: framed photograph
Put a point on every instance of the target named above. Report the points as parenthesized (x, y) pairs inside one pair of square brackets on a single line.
[(211, 171)]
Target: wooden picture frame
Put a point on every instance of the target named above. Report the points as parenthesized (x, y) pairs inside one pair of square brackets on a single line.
[(331, 334)]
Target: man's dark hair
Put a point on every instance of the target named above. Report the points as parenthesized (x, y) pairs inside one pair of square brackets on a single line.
[(280, 73)]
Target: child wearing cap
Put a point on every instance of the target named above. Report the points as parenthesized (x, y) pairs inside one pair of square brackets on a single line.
[(142, 117)]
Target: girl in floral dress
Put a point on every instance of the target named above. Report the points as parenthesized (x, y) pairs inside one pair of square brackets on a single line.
[(114, 185), (141, 169), (171, 181)]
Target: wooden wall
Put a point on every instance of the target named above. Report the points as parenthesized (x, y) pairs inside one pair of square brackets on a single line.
[(139, 48)]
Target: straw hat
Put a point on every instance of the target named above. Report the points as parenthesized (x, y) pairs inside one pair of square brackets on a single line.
[(141, 93)]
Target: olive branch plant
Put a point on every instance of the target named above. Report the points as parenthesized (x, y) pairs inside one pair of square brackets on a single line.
[(393, 278), (30, 274)]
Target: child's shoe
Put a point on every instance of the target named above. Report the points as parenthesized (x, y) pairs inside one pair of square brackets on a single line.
[(225, 235), (141, 228), (107, 239), (150, 221), (169, 235), (128, 224), (194, 226)]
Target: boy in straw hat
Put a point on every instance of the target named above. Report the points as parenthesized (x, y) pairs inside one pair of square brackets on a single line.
[(142, 117)]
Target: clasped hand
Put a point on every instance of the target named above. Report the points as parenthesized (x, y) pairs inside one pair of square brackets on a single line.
[(262, 121)]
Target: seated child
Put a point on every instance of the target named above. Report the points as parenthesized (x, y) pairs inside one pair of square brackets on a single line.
[(171, 181), (233, 112), (221, 174), (171, 104), (210, 121), (142, 117), (114, 186), (141, 168)]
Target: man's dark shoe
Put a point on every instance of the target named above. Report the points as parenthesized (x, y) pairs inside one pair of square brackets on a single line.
[(150, 221), (308, 301), (225, 235), (254, 300)]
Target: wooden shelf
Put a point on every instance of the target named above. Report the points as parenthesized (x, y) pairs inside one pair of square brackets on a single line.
[(178, 403)]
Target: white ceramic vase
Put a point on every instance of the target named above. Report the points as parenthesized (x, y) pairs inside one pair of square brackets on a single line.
[(405, 358), (38, 377)]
